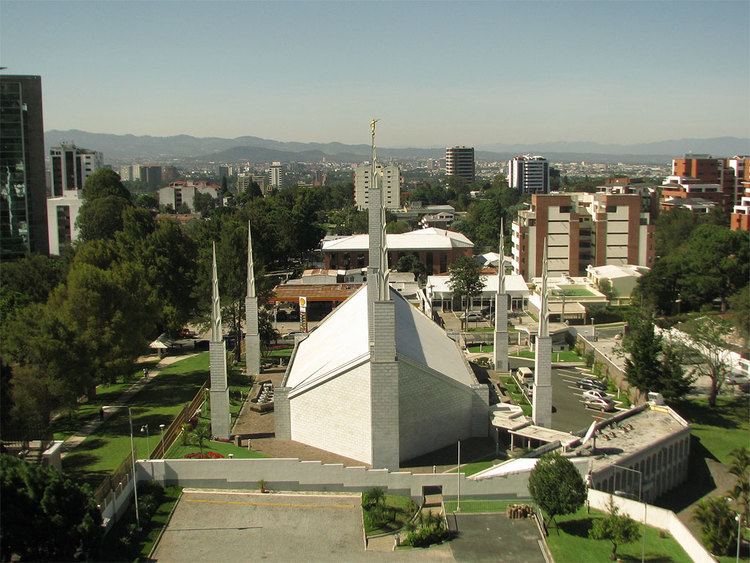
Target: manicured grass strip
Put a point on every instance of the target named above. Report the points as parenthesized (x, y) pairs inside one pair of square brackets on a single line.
[(476, 466), (483, 348), (399, 507), (281, 353), (564, 356), (471, 505), (158, 403), (569, 541), (178, 451), (721, 428), (159, 520), (482, 329)]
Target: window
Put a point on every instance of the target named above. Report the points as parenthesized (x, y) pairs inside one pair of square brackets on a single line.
[(565, 208), (611, 209)]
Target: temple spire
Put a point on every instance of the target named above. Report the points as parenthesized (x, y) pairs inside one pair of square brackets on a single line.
[(543, 312), (501, 311), (250, 264), (216, 331)]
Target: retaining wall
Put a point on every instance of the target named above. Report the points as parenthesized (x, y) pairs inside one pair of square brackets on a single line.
[(296, 475)]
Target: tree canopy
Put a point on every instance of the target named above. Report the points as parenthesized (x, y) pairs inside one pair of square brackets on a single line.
[(556, 486), (46, 517)]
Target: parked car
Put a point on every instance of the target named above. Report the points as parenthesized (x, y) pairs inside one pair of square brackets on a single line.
[(588, 383), (472, 316), (595, 394), (604, 405), (528, 389)]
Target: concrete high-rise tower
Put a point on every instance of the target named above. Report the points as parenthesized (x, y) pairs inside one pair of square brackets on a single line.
[(220, 418), (459, 161), (542, 402), (252, 340), (501, 311)]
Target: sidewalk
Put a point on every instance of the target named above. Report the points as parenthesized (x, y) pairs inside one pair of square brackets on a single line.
[(122, 401)]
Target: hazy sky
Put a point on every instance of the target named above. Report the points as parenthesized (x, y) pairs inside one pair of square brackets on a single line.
[(435, 73)]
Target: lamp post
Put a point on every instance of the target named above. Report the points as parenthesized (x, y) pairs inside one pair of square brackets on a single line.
[(161, 426), (132, 460), (144, 428), (739, 534), (593, 330), (458, 478), (640, 499)]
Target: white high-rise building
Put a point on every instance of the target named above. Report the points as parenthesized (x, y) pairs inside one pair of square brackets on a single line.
[(529, 174), (391, 185), (276, 175), (71, 165)]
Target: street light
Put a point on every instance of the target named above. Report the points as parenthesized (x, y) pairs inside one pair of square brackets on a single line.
[(640, 493), (162, 440), (458, 480), (132, 460), (144, 428), (739, 534), (593, 330)]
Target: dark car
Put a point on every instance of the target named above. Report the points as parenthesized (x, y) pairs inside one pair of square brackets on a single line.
[(588, 384)]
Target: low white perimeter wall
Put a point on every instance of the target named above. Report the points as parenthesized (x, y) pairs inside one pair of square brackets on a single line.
[(296, 475), (658, 518)]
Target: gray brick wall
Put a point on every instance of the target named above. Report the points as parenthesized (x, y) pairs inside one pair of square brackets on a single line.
[(220, 418), (501, 333), (542, 400), (384, 378), (252, 340), (281, 413), (335, 416)]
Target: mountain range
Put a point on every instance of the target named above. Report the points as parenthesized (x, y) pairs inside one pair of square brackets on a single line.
[(183, 148)]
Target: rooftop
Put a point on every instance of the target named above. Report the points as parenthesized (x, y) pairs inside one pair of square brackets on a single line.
[(431, 238)]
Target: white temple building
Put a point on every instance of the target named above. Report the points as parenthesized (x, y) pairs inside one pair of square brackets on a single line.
[(378, 381)]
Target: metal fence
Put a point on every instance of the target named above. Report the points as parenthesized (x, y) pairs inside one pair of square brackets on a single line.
[(113, 483)]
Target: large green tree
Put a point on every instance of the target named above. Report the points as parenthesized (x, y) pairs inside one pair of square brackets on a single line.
[(643, 346), (105, 199), (739, 466), (466, 279), (556, 486), (46, 516), (615, 527), (719, 528), (710, 335)]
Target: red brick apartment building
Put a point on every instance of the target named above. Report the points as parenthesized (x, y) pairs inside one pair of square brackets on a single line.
[(582, 229), (719, 180)]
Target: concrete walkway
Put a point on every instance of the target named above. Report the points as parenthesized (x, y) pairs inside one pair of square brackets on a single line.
[(121, 401)]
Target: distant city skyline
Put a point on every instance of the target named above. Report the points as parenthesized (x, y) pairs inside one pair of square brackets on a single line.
[(436, 74)]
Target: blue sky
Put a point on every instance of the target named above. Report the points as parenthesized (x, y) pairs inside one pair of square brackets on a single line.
[(435, 73)]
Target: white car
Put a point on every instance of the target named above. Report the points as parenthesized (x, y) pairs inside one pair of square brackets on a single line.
[(595, 394), (472, 316)]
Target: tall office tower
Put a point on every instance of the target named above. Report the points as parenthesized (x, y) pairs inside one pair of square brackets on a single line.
[(740, 165), (582, 229), (126, 173), (390, 184), (459, 161), (71, 165), (276, 175), (529, 174), (23, 190)]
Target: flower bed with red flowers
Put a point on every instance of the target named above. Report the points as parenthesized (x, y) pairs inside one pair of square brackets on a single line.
[(207, 455)]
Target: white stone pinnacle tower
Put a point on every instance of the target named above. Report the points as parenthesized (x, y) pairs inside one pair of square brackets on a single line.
[(542, 402), (220, 418), (501, 312), (384, 397), (252, 339)]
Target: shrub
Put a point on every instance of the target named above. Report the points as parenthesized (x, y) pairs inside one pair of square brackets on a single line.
[(429, 530), (372, 496)]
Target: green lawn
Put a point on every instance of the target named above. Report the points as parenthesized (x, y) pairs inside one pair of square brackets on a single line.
[(178, 451), (399, 508), (574, 292), (70, 422), (482, 348), (515, 393), (720, 429), (157, 403), (564, 356), (570, 542), (281, 353), (482, 329), (471, 505), (476, 466)]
